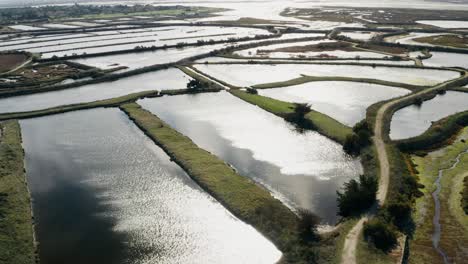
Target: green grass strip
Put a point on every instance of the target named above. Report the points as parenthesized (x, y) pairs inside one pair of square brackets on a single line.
[(16, 233), (324, 124), (245, 199), (306, 79), (75, 107)]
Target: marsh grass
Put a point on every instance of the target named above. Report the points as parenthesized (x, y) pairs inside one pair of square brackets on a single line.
[(16, 233)]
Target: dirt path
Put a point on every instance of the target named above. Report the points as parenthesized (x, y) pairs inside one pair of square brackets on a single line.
[(349, 249), (17, 67)]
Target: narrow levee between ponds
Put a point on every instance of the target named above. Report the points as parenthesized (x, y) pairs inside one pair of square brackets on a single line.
[(303, 170)]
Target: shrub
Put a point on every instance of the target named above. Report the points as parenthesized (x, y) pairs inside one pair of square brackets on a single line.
[(418, 101), (252, 90), (307, 225), (195, 85), (298, 116), (464, 193), (357, 196), (351, 144), (381, 234)]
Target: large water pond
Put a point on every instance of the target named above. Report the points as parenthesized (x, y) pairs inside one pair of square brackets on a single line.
[(160, 80), (104, 193), (142, 59), (413, 120), (345, 101), (446, 59), (248, 74), (445, 23), (304, 170), (271, 51)]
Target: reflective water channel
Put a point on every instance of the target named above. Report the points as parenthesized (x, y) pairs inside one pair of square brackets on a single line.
[(347, 102), (101, 186), (414, 120), (304, 170), (161, 80)]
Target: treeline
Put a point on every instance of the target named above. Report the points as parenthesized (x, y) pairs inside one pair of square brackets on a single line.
[(46, 13)]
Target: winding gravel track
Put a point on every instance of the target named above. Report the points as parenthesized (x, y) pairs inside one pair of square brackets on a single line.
[(350, 245)]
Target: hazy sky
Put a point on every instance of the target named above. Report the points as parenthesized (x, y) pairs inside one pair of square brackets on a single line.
[(9, 3)]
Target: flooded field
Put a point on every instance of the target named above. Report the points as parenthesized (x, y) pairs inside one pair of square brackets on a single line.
[(160, 80), (414, 120), (307, 175), (101, 186), (158, 37), (142, 59), (445, 59), (272, 51), (445, 23), (345, 101), (247, 75)]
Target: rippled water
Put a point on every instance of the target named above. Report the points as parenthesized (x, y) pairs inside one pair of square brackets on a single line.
[(446, 59), (248, 74), (159, 80), (104, 193), (414, 120), (303, 170), (345, 101)]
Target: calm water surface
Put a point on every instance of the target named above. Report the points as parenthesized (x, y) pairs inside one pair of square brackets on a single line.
[(159, 80), (414, 120), (104, 193), (303, 170), (345, 101)]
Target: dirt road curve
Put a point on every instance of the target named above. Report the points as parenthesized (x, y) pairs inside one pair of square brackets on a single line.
[(349, 249)]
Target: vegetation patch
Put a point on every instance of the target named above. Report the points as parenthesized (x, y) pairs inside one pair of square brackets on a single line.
[(50, 13), (306, 79), (322, 123), (10, 60), (457, 41), (439, 134), (453, 219), (16, 231)]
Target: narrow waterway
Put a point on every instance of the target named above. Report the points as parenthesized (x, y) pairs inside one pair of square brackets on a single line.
[(104, 193), (303, 170), (436, 219)]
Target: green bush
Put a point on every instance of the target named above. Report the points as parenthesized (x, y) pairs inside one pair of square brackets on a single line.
[(307, 225), (381, 234), (357, 196), (464, 199)]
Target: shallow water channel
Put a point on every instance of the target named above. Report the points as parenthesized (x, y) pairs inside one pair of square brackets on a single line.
[(413, 120), (101, 186), (349, 107), (160, 80), (304, 170)]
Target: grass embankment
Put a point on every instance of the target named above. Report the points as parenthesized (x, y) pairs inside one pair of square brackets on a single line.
[(324, 124), (457, 41), (196, 72), (454, 222), (439, 134), (75, 107), (240, 195), (306, 79), (196, 75), (113, 102), (16, 233)]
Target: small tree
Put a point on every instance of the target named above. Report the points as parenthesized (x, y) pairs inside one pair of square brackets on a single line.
[(195, 85), (381, 234), (308, 222), (298, 116), (357, 196)]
